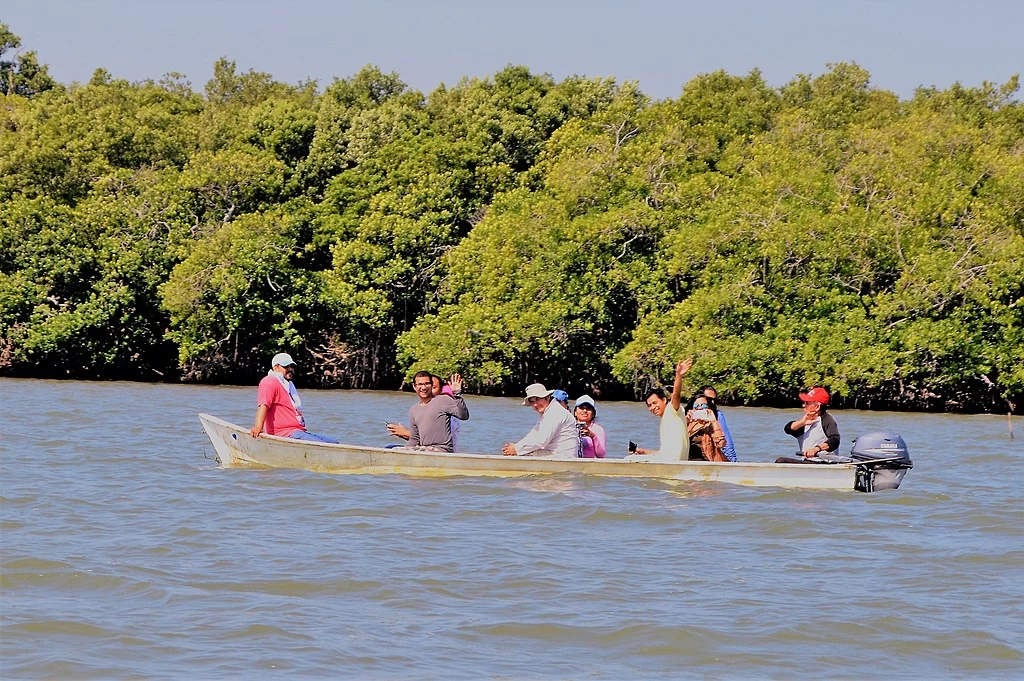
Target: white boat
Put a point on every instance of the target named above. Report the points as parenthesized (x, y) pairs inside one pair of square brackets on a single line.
[(236, 447)]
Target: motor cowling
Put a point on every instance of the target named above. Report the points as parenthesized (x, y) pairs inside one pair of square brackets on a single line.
[(889, 460), (881, 445)]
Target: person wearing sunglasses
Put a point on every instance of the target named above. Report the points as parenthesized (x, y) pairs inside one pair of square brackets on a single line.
[(707, 440), (730, 449), (816, 432)]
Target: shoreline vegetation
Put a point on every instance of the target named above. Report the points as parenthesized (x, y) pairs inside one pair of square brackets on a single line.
[(515, 228)]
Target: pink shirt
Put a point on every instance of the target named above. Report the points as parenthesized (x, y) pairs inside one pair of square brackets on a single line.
[(594, 447), (282, 418)]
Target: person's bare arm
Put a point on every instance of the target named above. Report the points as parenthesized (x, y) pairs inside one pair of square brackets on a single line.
[(677, 387), (261, 417)]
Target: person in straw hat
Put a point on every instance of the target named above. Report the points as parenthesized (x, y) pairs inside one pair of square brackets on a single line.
[(555, 434)]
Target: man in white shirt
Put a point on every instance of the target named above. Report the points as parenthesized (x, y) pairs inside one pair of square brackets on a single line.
[(555, 434), (675, 445)]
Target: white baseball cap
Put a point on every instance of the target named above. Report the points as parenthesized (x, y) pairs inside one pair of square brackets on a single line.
[(585, 399), (536, 390), (282, 359)]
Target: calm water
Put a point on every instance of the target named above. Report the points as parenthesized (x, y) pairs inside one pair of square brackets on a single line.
[(126, 553)]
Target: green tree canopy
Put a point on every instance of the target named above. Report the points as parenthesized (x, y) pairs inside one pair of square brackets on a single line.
[(517, 228)]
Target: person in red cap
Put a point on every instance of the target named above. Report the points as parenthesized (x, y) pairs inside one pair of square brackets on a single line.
[(816, 432)]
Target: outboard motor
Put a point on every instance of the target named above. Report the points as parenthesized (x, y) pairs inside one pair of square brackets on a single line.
[(886, 461)]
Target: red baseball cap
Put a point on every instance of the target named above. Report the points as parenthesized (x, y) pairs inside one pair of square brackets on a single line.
[(816, 394)]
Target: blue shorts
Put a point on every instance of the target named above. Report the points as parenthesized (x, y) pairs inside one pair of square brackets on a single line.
[(305, 435)]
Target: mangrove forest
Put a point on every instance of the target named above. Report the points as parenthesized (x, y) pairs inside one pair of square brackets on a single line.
[(517, 228)]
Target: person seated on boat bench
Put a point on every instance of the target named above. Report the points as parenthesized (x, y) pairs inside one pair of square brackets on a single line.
[(707, 440), (672, 430), (816, 432), (593, 440), (555, 434), (562, 398), (430, 418), (398, 430), (455, 423), (278, 407), (730, 449)]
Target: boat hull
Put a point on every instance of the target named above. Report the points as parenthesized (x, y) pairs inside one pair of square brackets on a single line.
[(236, 447)]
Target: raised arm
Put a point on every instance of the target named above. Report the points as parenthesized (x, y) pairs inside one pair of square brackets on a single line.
[(677, 387), (460, 410)]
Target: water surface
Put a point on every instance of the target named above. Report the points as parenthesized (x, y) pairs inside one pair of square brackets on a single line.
[(126, 552)]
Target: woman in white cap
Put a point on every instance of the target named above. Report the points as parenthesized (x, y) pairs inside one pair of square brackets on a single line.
[(592, 437)]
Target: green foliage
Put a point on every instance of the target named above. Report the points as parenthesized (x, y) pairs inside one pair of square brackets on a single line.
[(341, 102), (870, 261), (20, 72), (242, 294), (79, 298), (515, 228), (421, 174), (60, 143)]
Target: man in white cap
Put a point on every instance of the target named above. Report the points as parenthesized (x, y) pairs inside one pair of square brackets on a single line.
[(278, 407), (555, 434)]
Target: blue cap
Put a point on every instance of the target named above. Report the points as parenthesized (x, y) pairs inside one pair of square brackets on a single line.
[(560, 395)]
